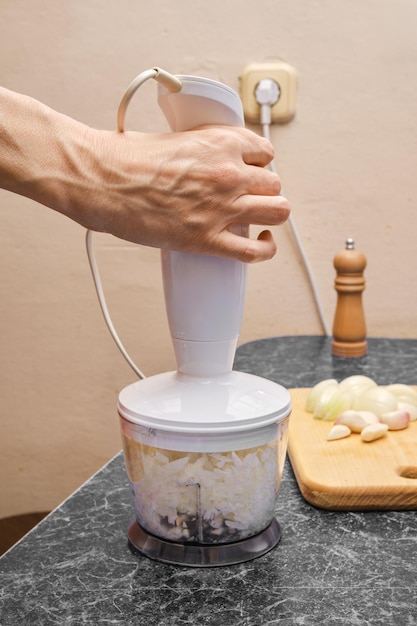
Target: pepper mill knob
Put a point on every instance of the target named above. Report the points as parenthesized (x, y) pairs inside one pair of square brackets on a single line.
[(349, 327)]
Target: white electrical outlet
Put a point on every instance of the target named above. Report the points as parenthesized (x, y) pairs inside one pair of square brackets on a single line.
[(284, 75)]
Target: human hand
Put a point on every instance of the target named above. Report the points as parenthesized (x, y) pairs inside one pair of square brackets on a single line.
[(183, 191)]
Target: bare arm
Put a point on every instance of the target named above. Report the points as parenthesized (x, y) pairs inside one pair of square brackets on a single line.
[(177, 190)]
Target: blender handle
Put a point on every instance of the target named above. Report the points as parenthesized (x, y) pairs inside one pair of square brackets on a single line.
[(204, 295)]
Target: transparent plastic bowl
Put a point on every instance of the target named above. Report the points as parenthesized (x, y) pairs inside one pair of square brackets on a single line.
[(220, 495)]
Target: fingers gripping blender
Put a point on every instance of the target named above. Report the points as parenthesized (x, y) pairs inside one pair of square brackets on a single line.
[(204, 445)]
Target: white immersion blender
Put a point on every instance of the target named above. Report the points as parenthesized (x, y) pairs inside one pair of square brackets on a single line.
[(204, 445)]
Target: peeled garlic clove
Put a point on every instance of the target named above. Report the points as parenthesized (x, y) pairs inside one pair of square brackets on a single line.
[(369, 417), (408, 408), (355, 420), (396, 420), (339, 431), (373, 431)]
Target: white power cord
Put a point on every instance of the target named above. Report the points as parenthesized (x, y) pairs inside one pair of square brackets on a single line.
[(267, 93), (173, 84), (100, 295)]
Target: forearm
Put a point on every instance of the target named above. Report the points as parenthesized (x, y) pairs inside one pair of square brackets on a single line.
[(36, 155), (83, 173)]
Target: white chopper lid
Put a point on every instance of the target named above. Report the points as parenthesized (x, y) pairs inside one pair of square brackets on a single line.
[(231, 403)]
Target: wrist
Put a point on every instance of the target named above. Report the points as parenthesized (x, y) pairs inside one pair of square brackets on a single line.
[(44, 155)]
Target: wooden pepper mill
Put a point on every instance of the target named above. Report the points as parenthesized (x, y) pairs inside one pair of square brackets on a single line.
[(349, 328)]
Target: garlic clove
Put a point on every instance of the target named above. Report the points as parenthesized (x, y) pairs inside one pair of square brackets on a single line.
[(355, 420), (373, 432), (396, 420), (339, 431), (369, 417), (408, 408)]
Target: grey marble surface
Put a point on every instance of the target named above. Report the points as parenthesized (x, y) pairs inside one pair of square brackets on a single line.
[(331, 568)]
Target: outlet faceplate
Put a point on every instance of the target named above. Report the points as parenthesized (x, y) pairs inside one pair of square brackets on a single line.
[(286, 77)]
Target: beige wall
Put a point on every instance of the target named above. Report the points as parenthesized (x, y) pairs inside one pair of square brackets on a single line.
[(348, 164)]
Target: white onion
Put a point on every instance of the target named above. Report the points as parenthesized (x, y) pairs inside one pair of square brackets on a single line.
[(359, 404), (328, 398), (324, 401), (317, 391), (357, 384), (338, 401), (403, 393), (377, 400)]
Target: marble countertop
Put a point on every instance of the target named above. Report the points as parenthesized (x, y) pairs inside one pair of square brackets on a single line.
[(331, 568)]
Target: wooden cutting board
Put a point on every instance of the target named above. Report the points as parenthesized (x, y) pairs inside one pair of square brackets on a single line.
[(348, 474)]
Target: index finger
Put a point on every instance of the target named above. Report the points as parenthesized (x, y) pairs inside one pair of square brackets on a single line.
[(254, 149), (258, 151)]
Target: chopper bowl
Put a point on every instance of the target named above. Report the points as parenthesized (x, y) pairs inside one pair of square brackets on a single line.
[(204, 480)]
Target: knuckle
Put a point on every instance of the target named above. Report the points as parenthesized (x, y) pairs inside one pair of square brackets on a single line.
[(268, 148), (276, 184), (228, 174)]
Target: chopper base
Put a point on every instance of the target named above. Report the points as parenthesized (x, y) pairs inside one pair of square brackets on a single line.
[(199, 555)]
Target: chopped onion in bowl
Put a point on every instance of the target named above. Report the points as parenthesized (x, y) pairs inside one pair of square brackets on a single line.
[(203, 497)]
